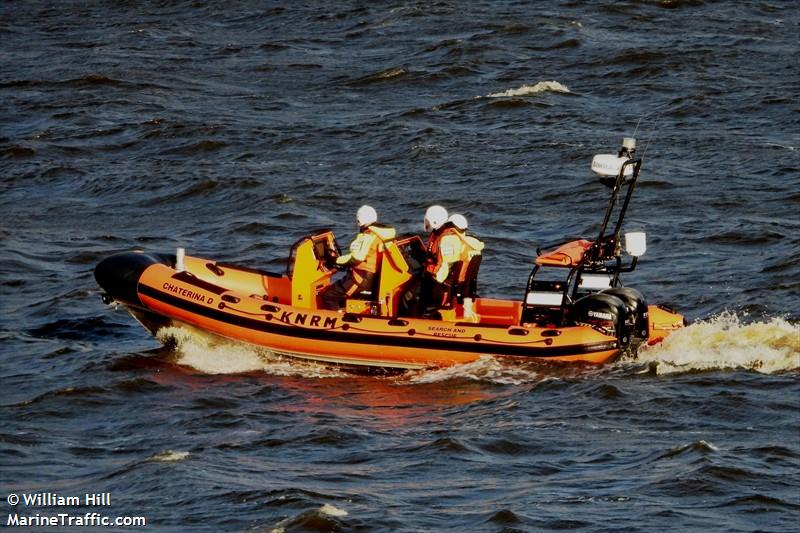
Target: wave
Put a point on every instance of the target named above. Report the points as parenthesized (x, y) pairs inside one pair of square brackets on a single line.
[(82, 82), (728, 342), (211, 354), (169, 456), (198, 188), (71, 329), (196, 147), (325, 518), (513, 102), (701, 447), (383, 75), (530, 90), (486, 369), (16, 151)]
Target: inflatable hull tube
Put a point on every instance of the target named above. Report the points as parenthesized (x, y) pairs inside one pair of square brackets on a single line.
[(119, 274), (256, 307)]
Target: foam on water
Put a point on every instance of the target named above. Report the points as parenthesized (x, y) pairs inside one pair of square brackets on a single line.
[(530, 90), (169, 456), (727, 342), (723, 342), (486, 369), (211, 354), (332, 510)]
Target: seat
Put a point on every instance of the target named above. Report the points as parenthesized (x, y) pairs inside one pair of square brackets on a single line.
[(462, 282), (366, 301), (392, 280), (395, 276)]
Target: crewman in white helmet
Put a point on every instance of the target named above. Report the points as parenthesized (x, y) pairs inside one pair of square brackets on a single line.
[(470, 246), (444, 248), (361, 261), (470, 249)]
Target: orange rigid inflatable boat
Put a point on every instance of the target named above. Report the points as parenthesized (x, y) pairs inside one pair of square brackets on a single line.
[(574, 309)]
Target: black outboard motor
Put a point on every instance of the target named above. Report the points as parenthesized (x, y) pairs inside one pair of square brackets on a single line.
[(604, 312), (637, 322)]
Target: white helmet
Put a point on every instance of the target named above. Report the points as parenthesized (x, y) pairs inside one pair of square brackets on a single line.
[(366, 215), (435, 217), (458, 221)]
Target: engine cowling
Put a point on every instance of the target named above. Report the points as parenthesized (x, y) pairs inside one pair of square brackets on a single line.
[(638, 315), (604, 312)]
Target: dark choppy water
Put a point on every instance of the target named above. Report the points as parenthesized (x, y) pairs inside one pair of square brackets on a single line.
[(233, 128)]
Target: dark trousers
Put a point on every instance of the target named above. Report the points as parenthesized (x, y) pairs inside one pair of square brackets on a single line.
[(433, 294), (352, 284)]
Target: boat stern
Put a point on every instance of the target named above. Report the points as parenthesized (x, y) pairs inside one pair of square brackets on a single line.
[(662, 321)]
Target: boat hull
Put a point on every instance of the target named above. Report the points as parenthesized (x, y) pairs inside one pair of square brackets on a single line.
[(152, 288)]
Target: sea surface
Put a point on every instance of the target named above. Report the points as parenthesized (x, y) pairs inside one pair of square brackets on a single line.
[(234, 128)]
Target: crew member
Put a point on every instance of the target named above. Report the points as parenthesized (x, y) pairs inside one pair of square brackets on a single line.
[(361, 262), (443, 249), (471, 247)]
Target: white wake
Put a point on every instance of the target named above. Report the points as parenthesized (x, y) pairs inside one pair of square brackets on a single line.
[(728, 342), (486, 369), (211, 354)]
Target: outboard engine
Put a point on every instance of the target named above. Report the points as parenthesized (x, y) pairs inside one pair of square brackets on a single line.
[(604, 312), (637, 322)]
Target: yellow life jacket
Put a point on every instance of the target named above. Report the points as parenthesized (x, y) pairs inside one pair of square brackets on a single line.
[(470, 247), (367, 248)]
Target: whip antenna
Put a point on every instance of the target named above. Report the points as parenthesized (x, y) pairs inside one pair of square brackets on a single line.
[(637, 127), (649, 137)]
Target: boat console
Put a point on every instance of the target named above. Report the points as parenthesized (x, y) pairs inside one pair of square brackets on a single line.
[(312, 263), (397, 287)]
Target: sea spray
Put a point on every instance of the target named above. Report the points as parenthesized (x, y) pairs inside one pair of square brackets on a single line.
[(211, 354), (486, 369), (727, 342)]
